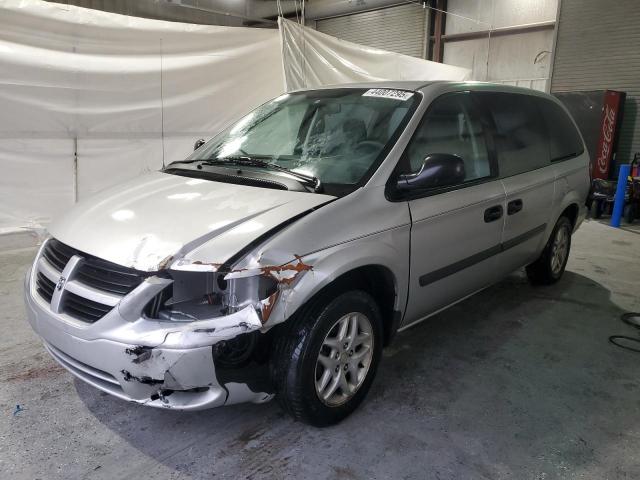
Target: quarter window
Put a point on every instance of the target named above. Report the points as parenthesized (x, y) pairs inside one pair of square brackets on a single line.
[(451, 125), (520, 135), (564, 140)]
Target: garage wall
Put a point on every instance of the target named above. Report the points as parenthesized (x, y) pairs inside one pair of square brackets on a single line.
[(519, 57), (400, 29), (598, 47)]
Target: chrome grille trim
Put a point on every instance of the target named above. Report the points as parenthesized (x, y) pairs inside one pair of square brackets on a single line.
[(95, 295), (45, 268), (79, 285), (67, 274)]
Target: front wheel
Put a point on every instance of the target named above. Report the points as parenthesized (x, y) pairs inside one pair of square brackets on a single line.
[(325, 361), (549, 267)]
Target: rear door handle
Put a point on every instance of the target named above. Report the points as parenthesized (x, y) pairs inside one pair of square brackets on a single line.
[(514, 206), (492, 214)]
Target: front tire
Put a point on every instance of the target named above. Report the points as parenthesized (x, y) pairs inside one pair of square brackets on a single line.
[(325, 361), (549, 267)]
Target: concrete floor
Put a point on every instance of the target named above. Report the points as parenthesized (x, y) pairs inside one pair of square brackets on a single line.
[(515, 382)]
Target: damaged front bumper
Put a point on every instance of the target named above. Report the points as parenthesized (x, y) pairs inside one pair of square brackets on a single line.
[(156, 363)]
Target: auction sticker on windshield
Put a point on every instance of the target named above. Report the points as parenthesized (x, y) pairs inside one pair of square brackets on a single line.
[(388, 93)]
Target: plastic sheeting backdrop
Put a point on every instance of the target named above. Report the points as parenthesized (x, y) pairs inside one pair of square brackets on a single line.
[(89, 99), (313, 58)]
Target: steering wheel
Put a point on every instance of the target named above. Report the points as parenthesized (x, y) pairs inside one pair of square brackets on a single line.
[(369, 146)]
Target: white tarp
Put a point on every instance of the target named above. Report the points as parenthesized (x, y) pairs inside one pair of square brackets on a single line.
[(89, 99), (127, 91), (313, 58)]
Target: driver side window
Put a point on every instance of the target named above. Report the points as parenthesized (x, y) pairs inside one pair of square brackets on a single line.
[(452, 126)]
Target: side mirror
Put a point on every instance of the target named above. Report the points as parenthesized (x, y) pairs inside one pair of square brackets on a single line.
[(198, 144), (438, 170)]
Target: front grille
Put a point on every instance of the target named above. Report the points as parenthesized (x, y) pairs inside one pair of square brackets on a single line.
[(45, 286), (57, 253), (92, 272), (108, 277), (83, 308)]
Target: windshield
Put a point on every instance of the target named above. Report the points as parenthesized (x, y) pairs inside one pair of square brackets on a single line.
[(337, 136)]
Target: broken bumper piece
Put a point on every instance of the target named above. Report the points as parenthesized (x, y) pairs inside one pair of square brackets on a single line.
[(160, 364)]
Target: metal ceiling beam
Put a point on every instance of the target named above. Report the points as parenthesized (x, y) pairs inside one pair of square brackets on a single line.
[(524, 28)]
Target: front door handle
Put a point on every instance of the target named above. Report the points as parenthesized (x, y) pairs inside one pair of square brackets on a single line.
[(492, 214), (514, 206)]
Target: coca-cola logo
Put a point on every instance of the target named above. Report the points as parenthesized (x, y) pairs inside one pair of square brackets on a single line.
[(607, 135)]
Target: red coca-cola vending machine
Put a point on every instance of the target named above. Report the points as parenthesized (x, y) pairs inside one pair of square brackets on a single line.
[(598, 114), (609, 133)]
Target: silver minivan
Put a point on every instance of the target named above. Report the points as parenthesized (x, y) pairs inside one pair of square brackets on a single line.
[(283, 255)]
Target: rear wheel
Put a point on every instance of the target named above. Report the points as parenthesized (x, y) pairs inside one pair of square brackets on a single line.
[(549, 267), (326, 360)]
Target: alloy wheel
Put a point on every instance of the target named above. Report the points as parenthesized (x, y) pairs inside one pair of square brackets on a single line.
[(344, 359), (559, 250)]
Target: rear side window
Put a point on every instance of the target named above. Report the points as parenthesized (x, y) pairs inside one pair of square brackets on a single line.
[(520, 134), (564, 140)]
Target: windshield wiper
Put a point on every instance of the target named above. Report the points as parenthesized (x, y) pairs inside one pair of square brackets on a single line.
[(254, 161)]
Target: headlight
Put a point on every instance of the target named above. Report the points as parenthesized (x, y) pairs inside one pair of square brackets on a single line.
[(196, 296)]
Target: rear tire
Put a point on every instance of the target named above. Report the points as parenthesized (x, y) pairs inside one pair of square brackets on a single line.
[(549, 267), (325, 360)]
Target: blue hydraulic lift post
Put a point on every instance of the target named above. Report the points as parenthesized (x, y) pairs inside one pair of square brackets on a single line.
[(618, 203)]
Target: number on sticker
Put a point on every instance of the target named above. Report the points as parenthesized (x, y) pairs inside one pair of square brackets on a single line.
[(388, 93)]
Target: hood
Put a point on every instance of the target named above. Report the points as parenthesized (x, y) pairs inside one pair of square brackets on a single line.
[(143, 223)]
